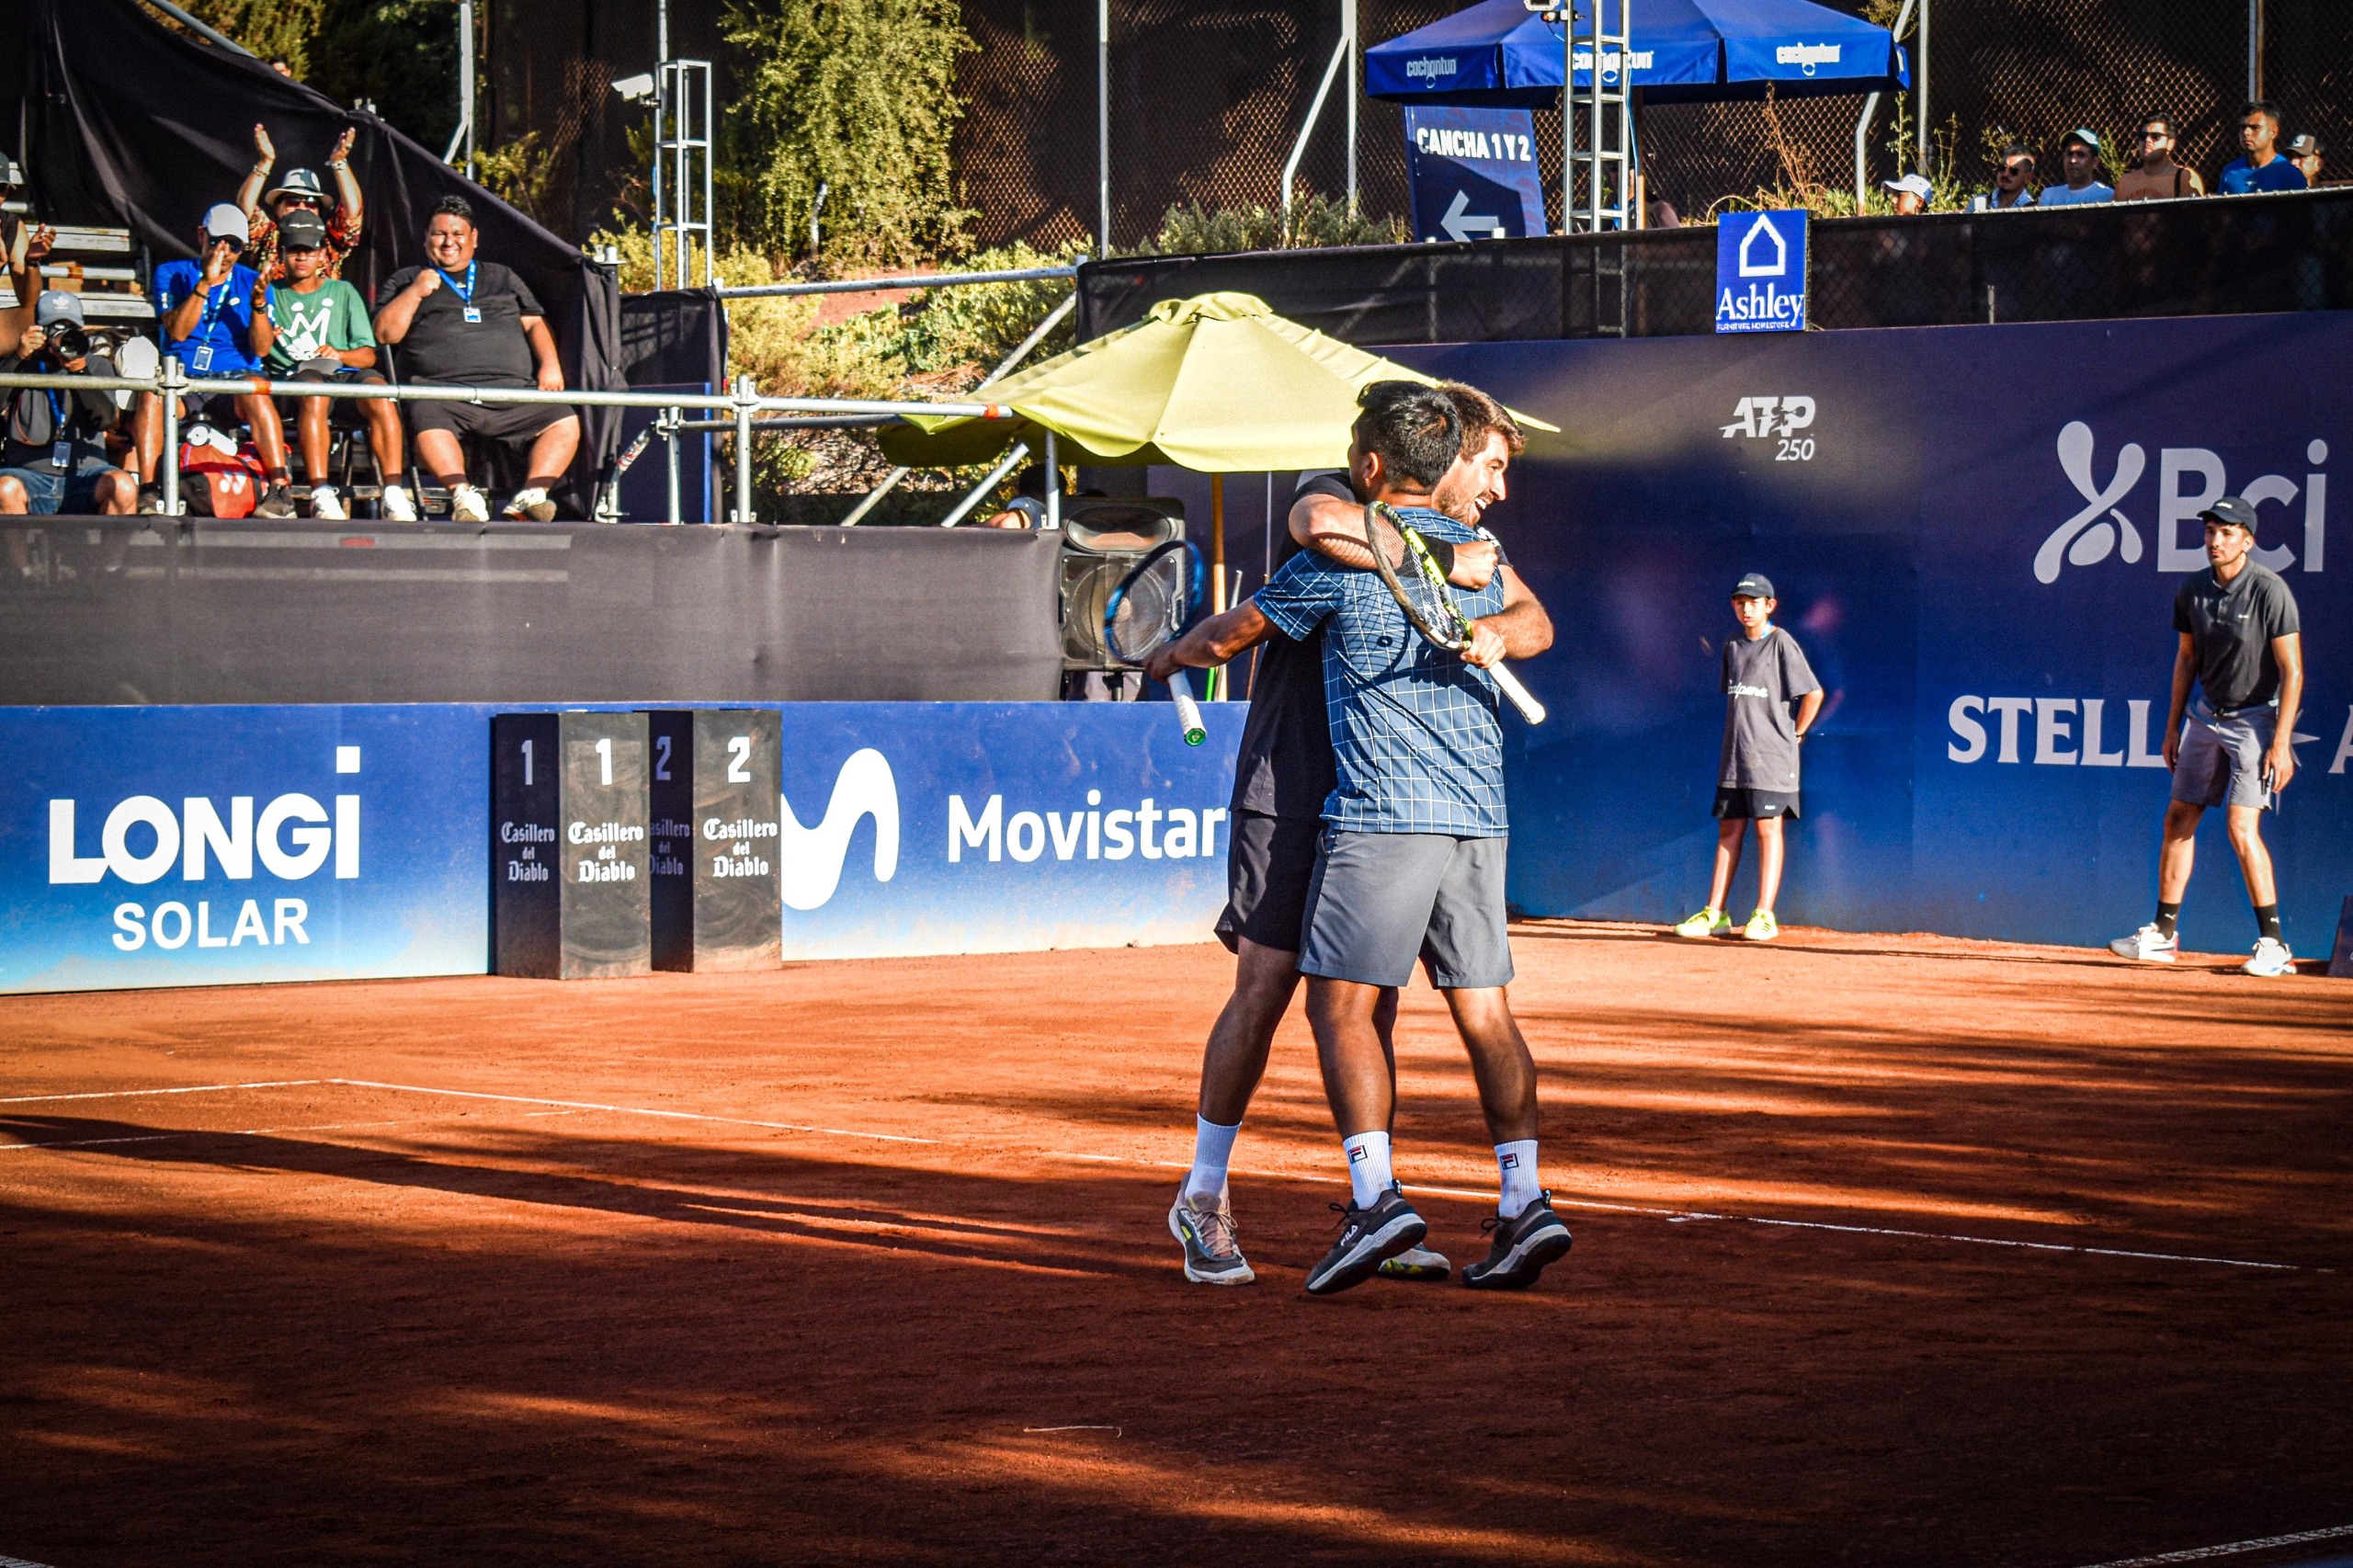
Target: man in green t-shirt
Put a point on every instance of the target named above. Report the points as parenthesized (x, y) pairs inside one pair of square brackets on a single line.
[(320, 332)]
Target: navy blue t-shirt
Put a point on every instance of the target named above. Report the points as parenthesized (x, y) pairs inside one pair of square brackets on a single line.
[(1285, 767)]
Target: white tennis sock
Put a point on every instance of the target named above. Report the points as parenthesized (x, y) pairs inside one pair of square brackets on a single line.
[(1517, 1161), (1212, 1148), (1369, 1175)]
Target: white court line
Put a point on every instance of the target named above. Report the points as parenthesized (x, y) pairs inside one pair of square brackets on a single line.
[(2203, 1553), (135, 1094), (19, 1563), (631, 1110), (1673, 1215)]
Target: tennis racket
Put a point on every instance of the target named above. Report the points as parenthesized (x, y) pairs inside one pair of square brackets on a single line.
[(1422, 592), (1149, 607)]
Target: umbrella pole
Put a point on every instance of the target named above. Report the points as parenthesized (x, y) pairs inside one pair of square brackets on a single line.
[(1217, 568)]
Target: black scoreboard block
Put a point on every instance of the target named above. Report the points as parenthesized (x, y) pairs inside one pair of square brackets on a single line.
[(571, 880), (718, 892)]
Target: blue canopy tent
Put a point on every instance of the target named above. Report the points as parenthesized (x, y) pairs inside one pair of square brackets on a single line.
[(1499, 54)]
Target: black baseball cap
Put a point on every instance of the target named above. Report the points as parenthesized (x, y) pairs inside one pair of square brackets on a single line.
[(2231, 509), (1756, 586), (302, 231)]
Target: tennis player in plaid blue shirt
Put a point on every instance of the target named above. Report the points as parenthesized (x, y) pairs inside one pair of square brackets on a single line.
[(1415, 728), (1412, 860)]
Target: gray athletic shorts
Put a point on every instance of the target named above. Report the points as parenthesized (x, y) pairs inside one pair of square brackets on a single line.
[(2221, 758), (1381, 900)]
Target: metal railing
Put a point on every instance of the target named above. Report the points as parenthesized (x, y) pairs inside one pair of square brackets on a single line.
[(742, 402)]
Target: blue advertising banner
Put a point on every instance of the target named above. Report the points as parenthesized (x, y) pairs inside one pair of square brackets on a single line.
[(1977, 534), (1760, 271), (1473, 172), (226, 845)]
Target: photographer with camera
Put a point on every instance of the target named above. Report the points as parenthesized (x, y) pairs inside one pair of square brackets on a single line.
[(54, 457)]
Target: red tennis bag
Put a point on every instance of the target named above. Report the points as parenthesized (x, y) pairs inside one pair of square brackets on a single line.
[(219, 480)]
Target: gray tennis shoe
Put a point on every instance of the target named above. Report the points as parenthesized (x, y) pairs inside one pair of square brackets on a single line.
[(1212, 1248)]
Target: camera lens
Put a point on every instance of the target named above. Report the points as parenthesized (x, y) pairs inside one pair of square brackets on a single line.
[(69, 341)]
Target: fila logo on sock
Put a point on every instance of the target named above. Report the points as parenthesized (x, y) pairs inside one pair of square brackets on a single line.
[(1511, 1162), (1358, 1154)]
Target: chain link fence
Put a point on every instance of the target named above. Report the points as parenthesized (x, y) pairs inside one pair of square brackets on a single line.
[(1207, 98)]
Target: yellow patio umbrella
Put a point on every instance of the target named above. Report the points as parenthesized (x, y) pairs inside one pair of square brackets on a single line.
[(1218, 383)]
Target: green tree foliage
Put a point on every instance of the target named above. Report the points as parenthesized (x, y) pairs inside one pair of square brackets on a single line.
[(858, 95), (1316, 221), (400, 54)]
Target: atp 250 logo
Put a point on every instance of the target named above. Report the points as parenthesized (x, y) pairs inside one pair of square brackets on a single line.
[(2190, 480)]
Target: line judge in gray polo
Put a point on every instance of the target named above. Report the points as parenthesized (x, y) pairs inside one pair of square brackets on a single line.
[(2242, 647)]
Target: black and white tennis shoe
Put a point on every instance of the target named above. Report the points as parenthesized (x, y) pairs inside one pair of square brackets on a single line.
[(1519, 1249), (1369, 1237)]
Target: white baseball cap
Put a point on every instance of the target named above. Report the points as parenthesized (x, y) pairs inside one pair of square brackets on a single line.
[(224, 221), (1915, 184)]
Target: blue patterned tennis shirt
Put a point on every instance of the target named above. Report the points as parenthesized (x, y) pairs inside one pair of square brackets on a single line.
[(1415, 729)]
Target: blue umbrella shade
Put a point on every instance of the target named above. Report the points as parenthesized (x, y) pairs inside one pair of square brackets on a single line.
[(1500, 53)]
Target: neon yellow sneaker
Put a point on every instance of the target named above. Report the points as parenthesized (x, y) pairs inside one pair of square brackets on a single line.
[(1761, 927), (1707, 923)]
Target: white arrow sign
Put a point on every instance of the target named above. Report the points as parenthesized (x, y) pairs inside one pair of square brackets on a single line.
[(1475, 226)]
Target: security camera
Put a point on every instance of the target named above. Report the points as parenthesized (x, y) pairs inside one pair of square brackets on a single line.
[(636, 89)]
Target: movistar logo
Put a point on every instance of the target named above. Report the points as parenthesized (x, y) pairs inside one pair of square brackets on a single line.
[(811, 857)]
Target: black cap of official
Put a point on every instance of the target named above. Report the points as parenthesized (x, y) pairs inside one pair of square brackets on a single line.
[(2232, 509), (1756, 586)]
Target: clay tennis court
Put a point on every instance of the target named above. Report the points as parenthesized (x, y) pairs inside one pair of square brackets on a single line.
[(1889, 1250)]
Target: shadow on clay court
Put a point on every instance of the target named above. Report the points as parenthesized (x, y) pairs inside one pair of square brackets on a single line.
[(731, 1206)]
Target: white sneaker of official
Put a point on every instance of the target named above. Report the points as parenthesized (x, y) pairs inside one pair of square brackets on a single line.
[(467, 505), (2148, 945), (397, 504), (327, 505), (2271, 958)]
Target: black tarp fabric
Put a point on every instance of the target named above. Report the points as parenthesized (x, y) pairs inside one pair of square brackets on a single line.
[(2229, 256), (119, 121), (122, 610)]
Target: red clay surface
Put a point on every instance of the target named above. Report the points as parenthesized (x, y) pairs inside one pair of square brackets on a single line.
[(341, 1321)]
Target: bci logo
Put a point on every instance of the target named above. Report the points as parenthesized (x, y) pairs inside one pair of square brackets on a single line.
[(2190, 480)]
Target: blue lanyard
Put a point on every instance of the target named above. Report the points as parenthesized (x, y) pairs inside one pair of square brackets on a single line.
[(56, 415), (465, 294)]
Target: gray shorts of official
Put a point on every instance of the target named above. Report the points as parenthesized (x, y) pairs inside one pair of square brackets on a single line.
[(2221, 756), (1381, 899), (1269, 863)]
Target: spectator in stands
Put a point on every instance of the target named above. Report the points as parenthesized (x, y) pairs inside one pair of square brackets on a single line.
[(2013, 183), (1911, 194), (2154, 177), (1663, 215), (300, 191), (214, 316), (2304, 151), (2079, 157), (284, 66), (463, 321), (2262, 168), (320, 332), (1027, 507), (54, 456)]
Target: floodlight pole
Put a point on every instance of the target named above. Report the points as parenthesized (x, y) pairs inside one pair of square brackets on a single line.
[(2253, 49), (1349, 25), (1926, 156), (1103, 125), (466, 78)]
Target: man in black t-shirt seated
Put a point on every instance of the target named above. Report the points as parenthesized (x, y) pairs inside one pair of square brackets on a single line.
[(460, 322)]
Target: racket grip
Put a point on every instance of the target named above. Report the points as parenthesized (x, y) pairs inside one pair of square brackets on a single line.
[(1521, 699), (1188, 712)]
